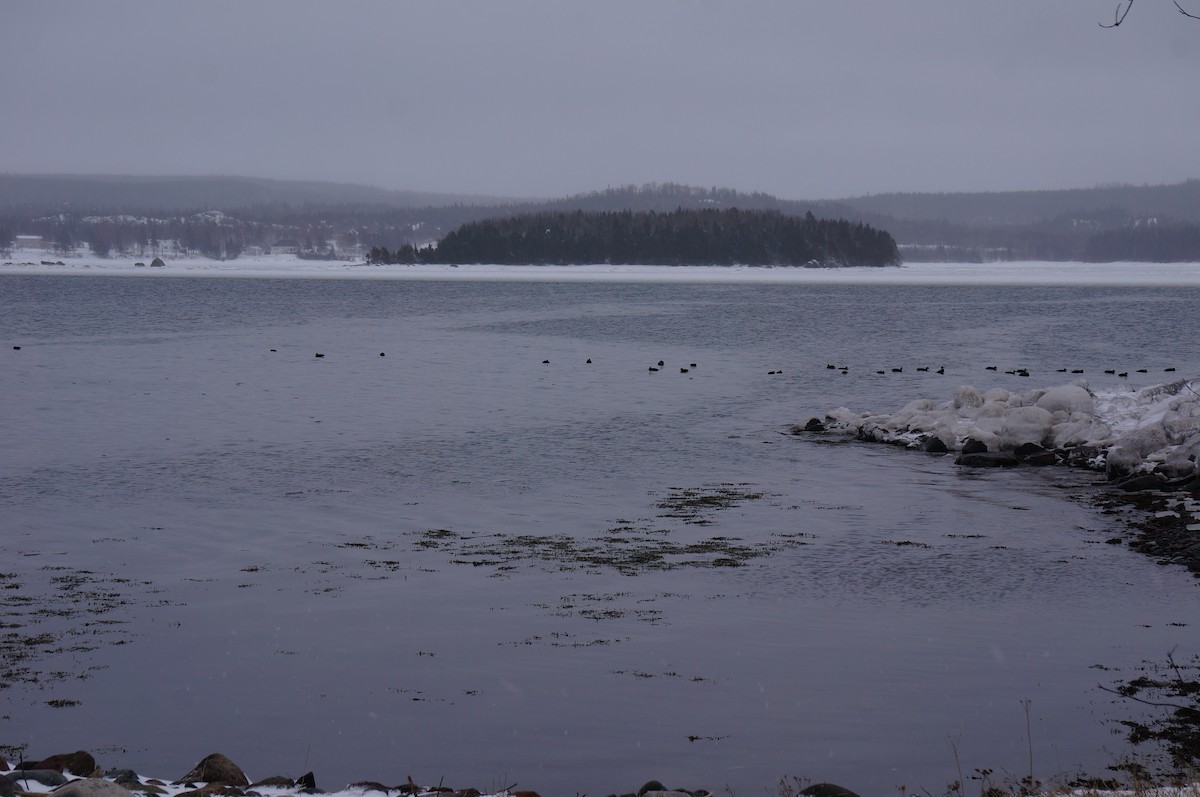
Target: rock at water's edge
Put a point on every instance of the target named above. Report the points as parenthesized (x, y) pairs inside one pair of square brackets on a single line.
[(827, 790), (216, 768), (47, 777), (987, 459), (80, 762)]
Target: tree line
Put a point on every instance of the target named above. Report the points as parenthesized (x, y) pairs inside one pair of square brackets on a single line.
[(681, 237)]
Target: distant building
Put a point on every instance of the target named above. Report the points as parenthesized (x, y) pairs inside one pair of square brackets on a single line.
[(285, 246), (34, 242)]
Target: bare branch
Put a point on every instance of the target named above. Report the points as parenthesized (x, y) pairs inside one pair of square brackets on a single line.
[(1140, 700), (1118, 17), (1181, 11)]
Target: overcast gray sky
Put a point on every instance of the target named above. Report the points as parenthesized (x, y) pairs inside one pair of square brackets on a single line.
[(799, 98)]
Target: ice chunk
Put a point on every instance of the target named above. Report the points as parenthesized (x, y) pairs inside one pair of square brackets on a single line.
[(1025, 425), (1068, 398)]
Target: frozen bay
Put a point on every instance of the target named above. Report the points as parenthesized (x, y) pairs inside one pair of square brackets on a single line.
[(459, 560)]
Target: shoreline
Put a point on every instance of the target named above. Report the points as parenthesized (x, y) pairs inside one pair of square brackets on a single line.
[(79, 775), (1016, 273)]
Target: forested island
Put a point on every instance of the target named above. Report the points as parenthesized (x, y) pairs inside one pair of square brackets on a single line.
[(707, 237)]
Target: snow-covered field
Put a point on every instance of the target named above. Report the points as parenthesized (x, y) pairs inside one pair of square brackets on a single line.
[(1027, 273)]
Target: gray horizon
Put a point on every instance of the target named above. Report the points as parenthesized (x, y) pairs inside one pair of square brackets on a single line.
[(533, 98)]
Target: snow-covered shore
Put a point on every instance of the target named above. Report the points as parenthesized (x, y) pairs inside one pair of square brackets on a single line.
[(1146, 440), (119, 782), (1152, 430), (1025, 273)]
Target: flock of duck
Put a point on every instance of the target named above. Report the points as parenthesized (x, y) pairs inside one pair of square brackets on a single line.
[(845, 369), (1014, 372)]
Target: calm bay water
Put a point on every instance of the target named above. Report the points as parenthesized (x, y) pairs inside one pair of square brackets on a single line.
[(458, 561)]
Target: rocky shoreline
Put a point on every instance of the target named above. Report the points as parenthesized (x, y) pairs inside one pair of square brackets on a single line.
[(78, 775)]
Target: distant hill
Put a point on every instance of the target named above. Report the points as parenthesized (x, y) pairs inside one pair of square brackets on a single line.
[(1177, 202), (124, 214), (100, 194)]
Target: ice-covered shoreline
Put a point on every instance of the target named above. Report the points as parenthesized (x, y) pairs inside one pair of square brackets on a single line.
[(1146, 441), (1152, 430), (290, 266)]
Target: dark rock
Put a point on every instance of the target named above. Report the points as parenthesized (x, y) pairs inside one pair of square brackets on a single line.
[(973, 446), (122, 776), (653, 785), (987, 459), (216, 768), (827, 790), (1190, 484), (1041, 460), (468, 793), (78, 763), (212, 790), (1036, 455), (47, 777), (1142, 481), (369, 785), (814, 425), (1175, 470), (6, 787), (934, 445), (275, 780), (92, 787), (1079, 456), (307, 781), (157, 263)]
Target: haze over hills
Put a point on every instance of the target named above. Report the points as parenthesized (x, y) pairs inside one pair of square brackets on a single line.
[(1178, 201), (172, 194), (113, 213)]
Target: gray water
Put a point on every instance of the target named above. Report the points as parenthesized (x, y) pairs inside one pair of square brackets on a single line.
[(459, 562)]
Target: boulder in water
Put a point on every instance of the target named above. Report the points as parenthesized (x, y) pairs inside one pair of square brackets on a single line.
[(987, 459)]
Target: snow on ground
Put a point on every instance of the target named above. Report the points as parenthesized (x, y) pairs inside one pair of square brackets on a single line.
[(1030, 273), (166, 787)]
